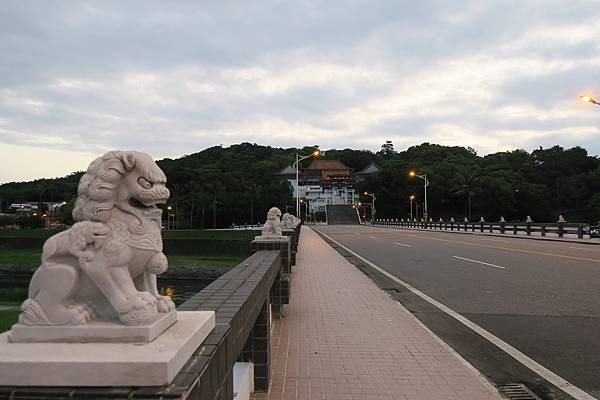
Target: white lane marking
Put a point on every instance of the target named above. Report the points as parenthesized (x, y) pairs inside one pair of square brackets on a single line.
[(373, 237), (550, 376), (402, 244), (357, 233), (582, 248), (495, 240), (478, 262)]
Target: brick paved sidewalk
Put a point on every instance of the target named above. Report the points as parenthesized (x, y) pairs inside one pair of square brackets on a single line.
[(344, 338)]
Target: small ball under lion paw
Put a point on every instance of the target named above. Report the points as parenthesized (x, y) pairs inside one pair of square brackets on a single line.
[(139, 316), (157, 264), (165, 304)]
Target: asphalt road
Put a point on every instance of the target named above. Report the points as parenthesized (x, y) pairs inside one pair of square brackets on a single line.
[(543, 298)]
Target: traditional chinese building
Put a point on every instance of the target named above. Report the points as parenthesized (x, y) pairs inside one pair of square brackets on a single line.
[(326, 182)]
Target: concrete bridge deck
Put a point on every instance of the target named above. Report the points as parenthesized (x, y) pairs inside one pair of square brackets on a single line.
[(344, 338)]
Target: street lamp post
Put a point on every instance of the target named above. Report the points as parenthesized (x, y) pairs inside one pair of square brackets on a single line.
[(298, 159), (412, 197), (588, 99), (426, 183), (305, 209), (373, 198), (170, 216)]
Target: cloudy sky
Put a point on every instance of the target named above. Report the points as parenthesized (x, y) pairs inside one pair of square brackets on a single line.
[(170, 78)]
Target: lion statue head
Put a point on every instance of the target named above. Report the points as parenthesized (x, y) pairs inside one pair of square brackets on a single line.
[(272, 226), (127, 180), (274, 214), (287, 221)]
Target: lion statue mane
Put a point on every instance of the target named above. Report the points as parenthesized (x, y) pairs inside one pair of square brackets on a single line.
[(104, 267), (273, 225), (288, 221)]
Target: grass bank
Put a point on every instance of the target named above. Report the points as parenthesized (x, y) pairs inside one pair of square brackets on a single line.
[(201, 234), (205, 261), (31, 258), (17, 257), (8, 319)]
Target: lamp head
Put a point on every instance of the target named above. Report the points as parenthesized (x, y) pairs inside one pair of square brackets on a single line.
[(587, 99), (316, 153), (411, 173), (412, 197)]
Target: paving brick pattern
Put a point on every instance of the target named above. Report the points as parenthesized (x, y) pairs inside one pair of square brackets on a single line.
[(344, 338)]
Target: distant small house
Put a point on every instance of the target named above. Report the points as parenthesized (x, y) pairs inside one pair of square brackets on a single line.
[(23, 207), (370, 169), (288, 172)]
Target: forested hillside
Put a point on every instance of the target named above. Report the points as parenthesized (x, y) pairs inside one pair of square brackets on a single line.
[(237, 184)]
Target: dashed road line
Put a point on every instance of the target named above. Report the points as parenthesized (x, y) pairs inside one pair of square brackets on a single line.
[(402, 244), (479, 262), (582, 248), (541, 253)]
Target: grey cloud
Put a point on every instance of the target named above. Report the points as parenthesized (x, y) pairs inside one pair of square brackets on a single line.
[(196, 55)]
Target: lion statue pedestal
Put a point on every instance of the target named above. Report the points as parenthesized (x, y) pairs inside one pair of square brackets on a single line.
[(94, 304)]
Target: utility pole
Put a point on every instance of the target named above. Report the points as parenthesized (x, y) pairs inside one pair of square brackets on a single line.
[(215, 212)]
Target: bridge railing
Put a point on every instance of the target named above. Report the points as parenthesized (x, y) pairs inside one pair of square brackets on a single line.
[(559, 229)]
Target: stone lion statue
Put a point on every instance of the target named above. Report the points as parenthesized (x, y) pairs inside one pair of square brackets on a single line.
[(288, 221), (104, 267), (273, 225)]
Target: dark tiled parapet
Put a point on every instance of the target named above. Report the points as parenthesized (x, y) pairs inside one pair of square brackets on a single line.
[(280, 293), (292, 234)]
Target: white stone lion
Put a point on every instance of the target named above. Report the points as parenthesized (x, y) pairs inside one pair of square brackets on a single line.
[(288, 221), (273, 225), (104, 267)]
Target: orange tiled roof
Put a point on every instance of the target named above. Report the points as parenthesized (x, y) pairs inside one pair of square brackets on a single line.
[(327, 164)]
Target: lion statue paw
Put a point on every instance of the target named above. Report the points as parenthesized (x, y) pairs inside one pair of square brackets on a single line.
[(165, 304)]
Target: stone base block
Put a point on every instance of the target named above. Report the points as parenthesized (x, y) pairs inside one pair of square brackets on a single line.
[(105, 364), (271, 238), (96, 331)]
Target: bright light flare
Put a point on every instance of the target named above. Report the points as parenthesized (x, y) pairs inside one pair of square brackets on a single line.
[(412, 173), (587, 99)]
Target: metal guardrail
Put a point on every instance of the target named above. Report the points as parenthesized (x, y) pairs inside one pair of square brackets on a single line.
[(558, 228)]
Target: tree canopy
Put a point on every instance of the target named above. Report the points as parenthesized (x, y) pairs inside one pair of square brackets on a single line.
[(238, 184)]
